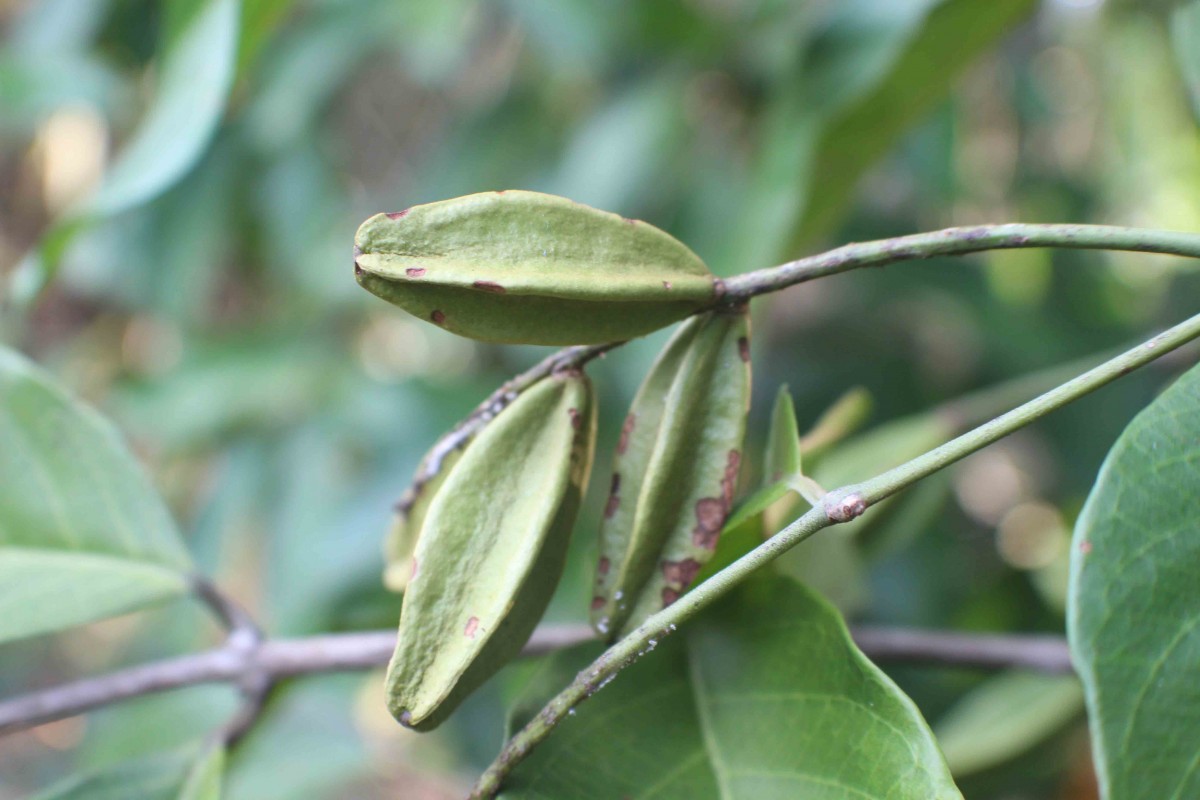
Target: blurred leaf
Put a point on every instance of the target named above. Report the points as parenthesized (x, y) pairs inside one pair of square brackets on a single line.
[(306, 746), (1185, 37), (1132, 607), (765, 696), (195, 76), (844, 417), (1005, 716), (35, 85), (83, 535), (951, 38), (193, 773)]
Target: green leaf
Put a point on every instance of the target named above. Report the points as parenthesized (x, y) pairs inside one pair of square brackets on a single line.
[(1005, 716), (1185, 38), (783, 439), (193, 773), (524, 267), (1134, 602), (953, 35), (195, 77), (764, 697), (83, 535)]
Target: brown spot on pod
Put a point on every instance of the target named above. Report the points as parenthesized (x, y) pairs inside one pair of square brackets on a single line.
[(669, 596), (744, 349), (680, 573), (438, 317), (598, 603), (412, 577), (1085, 547), (398, 214), (610, 508), (603, 566), (729, 482), (489, 286), (667, 285), (415, 272), (718, 288), (626, 430), (710, 516), (472, 627), (576, 418)]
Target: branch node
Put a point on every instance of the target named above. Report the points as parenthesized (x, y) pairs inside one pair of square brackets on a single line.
[(843, 506)]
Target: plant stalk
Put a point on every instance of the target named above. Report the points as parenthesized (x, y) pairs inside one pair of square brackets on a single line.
[(840, 505)]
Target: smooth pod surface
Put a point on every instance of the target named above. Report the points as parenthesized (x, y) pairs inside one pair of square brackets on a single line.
[(675, 471), (531, 268), (491, 549)]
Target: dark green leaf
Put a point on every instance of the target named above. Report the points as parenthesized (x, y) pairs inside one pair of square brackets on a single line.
[(765, 697), (1134, 602)]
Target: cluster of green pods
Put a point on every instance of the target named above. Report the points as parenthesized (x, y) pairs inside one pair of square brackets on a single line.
[(478, 543)]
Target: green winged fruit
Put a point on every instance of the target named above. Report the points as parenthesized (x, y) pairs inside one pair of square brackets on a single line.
[(675, 470), (491, 548), (530, 268), (400, 545)]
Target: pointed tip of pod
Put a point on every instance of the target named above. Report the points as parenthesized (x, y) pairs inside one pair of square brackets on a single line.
[(405, 719)]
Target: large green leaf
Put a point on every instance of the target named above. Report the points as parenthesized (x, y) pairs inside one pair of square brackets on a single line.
[(1134, 603), (766, 696), (83, 535), (193, 773), (195, 75)]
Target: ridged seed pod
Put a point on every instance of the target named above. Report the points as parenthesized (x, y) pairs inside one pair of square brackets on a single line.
[(400, 545), (524, 267), (491, 549), (675, 471)]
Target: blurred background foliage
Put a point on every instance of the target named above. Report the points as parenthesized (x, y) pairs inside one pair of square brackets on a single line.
[(181, 184)]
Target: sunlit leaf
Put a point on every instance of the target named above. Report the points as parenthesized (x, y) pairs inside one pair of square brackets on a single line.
[(83, 535)]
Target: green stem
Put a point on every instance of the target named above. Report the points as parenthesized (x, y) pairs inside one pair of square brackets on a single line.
[(840, 505), (959, 241)]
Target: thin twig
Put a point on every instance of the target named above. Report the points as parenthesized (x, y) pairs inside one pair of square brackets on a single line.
[(877, 253), (958, 241), (1042, 653), (274, 659), (347, 652), (841, 505), (242, 642)]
